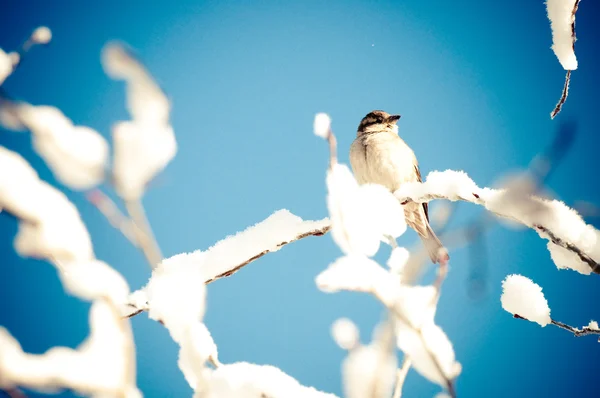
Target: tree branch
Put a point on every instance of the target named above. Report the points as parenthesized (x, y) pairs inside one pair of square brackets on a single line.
[(316, 232), (547, 217), (401, 376)]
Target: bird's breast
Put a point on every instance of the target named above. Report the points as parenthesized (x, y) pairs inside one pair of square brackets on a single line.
[(385, 160)]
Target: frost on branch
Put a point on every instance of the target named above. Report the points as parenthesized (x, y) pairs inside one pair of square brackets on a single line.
[(144, 145), (551, 219), (99, 366), (77, 155), (562, 21), (522, 297)]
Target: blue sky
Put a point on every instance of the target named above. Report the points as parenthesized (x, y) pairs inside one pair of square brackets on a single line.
[(474, 83)]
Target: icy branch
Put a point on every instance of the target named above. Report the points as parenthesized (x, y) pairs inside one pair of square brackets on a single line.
[(572, 243)]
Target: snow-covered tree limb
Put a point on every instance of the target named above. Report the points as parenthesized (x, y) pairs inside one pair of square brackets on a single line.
[(233, 253), (572, 243)]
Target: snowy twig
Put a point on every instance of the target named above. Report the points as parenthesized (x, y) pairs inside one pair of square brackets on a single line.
[(585, 331), (562, 20), (401, 376), (315, 232), (143, 233)]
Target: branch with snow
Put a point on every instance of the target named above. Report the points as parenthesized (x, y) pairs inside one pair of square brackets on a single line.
[(572, 243), (50, 228), (524, 299), (231, 254), (561, 14)]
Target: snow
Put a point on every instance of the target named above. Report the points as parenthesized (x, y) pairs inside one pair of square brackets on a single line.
[(140, 152), (322, 125), (246, 380), (398, 260), (41, 35), (266, 236), (370, 371), (521, 296), (427, 348), (361, 215), (176, 295), (345, 333), (196, 348), (6, 66), (102, 365), (77, 155), (146, 144), (560, 13)]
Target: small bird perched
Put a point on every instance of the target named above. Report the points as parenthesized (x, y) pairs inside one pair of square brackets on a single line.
[(379, 156)]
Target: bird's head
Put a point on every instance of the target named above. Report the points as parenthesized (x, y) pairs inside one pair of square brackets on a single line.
[(377, 121)]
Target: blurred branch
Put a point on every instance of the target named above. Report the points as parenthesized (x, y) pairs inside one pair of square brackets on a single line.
[(401, 376), (109, 209), (143, 233)]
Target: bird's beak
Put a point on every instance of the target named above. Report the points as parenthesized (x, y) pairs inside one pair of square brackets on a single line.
[(394, 118)]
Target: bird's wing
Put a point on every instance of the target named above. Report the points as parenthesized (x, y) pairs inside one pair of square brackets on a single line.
[(425, 206)]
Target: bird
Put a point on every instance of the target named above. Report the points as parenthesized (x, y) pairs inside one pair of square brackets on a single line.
[(379, 156)]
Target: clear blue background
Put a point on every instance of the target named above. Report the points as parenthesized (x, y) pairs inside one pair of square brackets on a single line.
[(474, 81)]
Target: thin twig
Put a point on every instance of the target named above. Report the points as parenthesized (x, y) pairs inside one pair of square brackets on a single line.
[(585, 331), (143, 233), (332, 149), (111, 212), (401, 376), (563, 96)]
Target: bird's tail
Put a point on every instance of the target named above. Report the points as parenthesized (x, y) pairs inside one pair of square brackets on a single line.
[(434, 247), (416, 218)]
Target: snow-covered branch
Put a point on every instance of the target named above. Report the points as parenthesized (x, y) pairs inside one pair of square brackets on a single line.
[(562, 21), (572, 243), (524, 299), (231, 254)]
